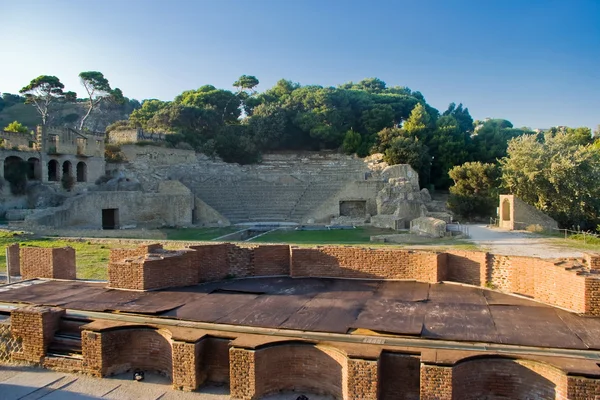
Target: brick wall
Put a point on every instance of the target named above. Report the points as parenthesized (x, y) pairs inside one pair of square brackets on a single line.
[(362, 381), (272, 260), (129, 349), (358, 262), (398, 376), (242, 364), (38, 262), (215, 360), (300, 367), (592, 296), (592, 260), (579, 387), (541, 280), (142, 250), (212, 261), (35, 327), (467, 267), (13, 263), (154, 271), (504, 378), (436, 382), (185, 366)]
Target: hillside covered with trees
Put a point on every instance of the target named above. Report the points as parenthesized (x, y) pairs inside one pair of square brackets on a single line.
[(477, 160)]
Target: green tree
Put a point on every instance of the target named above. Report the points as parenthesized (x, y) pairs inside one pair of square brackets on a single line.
[(449, 146), (352, 142), (407, 149), (41, 92), (557, 175), (140, 117), (581, 135), (475, 190), (98, 90), (268, 126), (419, 121), (223, 102), (16, 127), (461, 115), (490, 140)]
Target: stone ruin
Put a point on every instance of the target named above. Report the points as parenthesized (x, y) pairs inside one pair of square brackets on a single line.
[(157, 187)]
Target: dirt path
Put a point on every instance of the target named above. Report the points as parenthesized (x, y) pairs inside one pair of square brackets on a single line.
[(518, 243)]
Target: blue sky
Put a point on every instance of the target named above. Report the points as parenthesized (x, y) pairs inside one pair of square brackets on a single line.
[(533, 62)]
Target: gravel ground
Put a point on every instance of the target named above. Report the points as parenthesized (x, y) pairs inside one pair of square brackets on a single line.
[(518, 243)]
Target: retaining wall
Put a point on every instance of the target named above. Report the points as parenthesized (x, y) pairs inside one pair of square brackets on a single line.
[(559, 283)]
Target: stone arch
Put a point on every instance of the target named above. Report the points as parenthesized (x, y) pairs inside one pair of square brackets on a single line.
[(53, 171), (506, 210), (34, 170), (144, 348), (67, 168), (15, 172), (81, 172), (12, 163), (325, 376), (488, 377)]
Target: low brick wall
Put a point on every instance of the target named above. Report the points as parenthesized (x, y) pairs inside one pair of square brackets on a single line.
[(41, 262), (555, 283), (364, 263)]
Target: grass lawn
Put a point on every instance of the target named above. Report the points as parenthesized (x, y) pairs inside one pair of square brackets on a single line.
[(199, 233), (92, 259), (334, 236)]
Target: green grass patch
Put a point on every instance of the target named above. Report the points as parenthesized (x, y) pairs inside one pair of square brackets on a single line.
[(335, 236), (91, 258), (192, 234)]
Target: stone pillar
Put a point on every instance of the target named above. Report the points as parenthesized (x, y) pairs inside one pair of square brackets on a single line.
[(35, 325), (91, 349), (55, 263), (186, 366), (362, 379), (242, 367), (436, 382), (592, 296), (13, 262)]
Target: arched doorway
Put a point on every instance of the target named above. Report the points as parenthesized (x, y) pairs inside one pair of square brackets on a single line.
[(67, 168), (146, 349), (81, 172), (521, 379), (34, 170), (53, 171), (15, 172), (325, 376)]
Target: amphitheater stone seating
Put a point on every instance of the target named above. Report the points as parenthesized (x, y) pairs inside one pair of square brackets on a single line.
[(282, 188)]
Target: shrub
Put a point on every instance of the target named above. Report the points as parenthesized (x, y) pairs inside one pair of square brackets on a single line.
[(113, 154)]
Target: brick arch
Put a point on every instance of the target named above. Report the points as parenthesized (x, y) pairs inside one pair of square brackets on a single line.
[(145, 348), (300, 367), (506, 378)]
